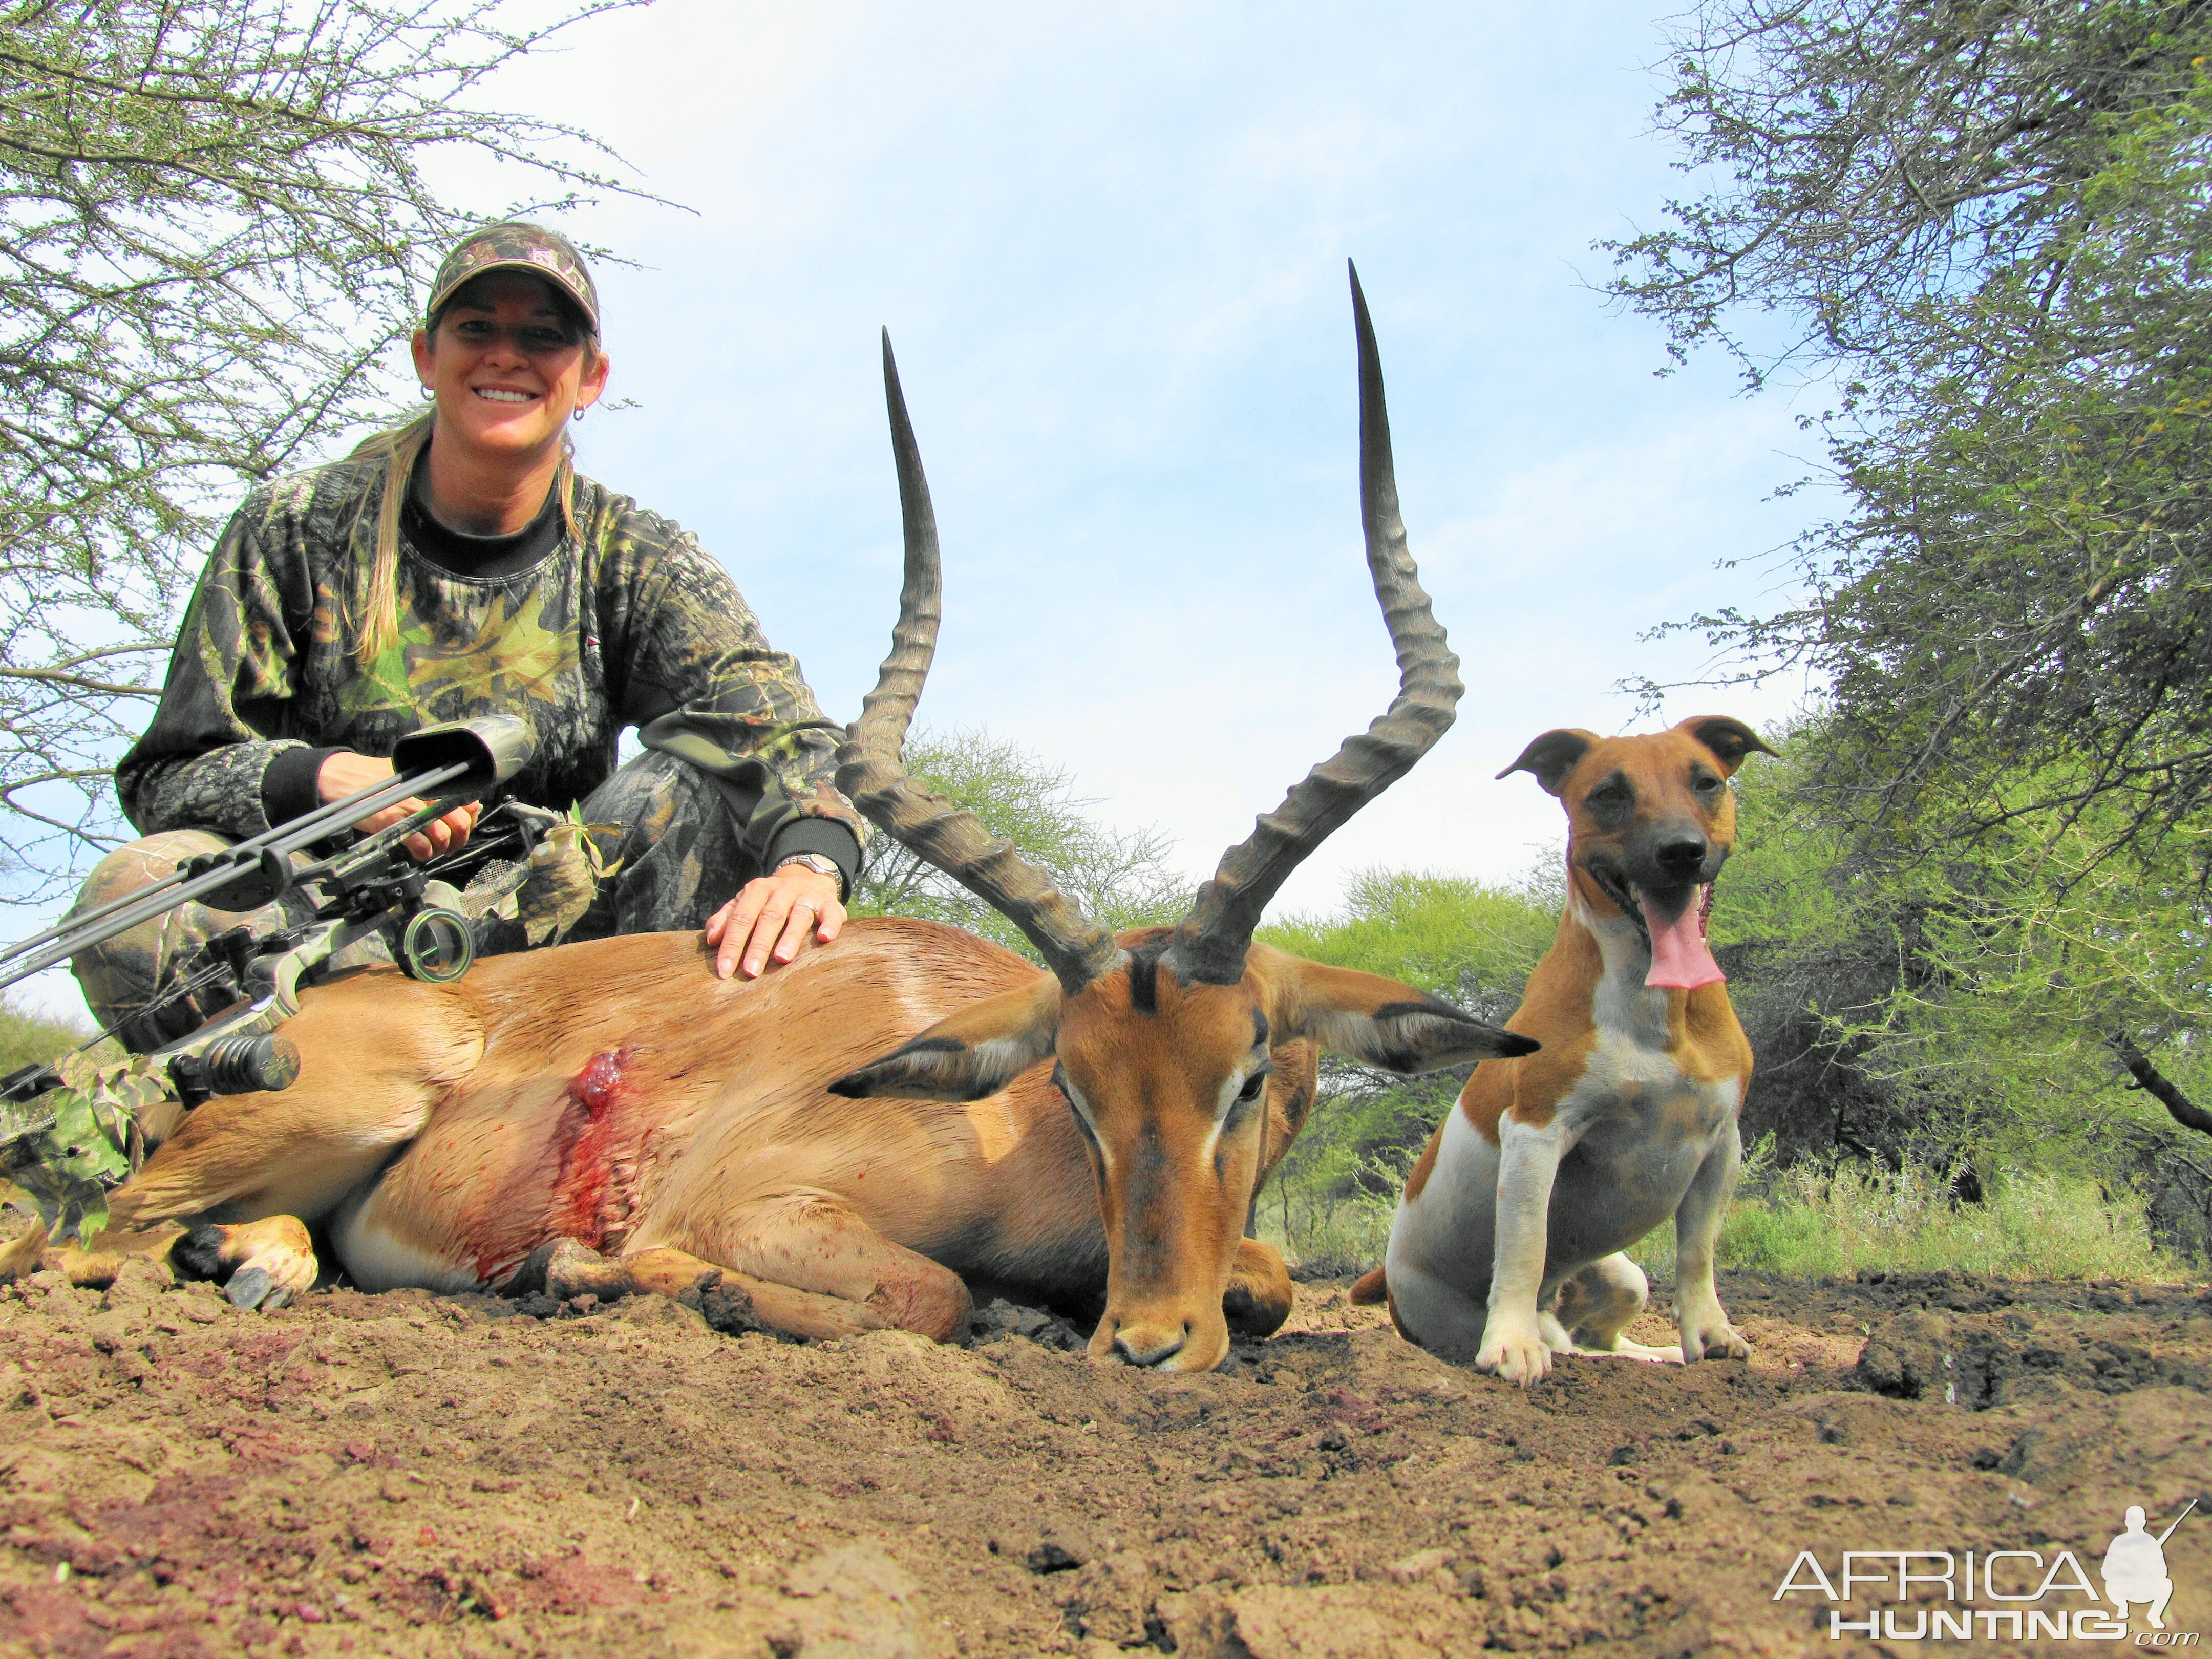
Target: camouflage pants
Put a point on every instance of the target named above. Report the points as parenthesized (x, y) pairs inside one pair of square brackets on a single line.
[(680, 859)]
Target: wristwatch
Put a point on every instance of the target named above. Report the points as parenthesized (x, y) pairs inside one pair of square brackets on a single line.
[(816, 863)]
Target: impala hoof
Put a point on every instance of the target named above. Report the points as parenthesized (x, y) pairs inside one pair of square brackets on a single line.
[(568, 1268), (252, 1288)]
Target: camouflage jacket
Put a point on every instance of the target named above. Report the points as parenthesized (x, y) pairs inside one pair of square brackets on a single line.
[(627, 622)]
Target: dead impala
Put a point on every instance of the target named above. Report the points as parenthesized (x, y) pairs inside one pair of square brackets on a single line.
[(683, 1127), (1165, 1042)]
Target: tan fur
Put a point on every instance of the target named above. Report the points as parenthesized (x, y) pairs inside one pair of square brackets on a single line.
[(619, 1093), (1154, 1080)]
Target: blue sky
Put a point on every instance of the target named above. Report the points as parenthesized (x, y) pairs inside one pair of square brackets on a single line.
[(1109, 244)]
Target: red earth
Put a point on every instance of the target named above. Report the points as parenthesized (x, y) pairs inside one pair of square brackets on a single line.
[(411, 1474)]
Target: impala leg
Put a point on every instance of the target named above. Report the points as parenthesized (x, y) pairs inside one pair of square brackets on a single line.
[(731, 1301), (382, 1052), (92, 1267), (728, 1295), (810, 1241), (1260, 1294), (261, 1264)]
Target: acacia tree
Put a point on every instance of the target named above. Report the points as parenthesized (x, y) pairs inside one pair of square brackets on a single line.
[(214, 223), (1984, 220), (1121, 880)]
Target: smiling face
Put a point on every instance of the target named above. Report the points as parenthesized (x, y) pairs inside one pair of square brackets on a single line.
[(509, 364)]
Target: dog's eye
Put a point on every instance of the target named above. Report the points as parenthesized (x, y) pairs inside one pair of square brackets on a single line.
[(1705, 783)]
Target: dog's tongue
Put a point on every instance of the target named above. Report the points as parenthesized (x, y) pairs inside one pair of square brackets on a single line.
[(1681, 960)]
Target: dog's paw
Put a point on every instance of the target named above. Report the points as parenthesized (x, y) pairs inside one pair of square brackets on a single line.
[(1623, 1349), (1516, 1353), (1713, 1338)]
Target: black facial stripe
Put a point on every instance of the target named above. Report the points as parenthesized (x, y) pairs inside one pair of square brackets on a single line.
[(1150, 1206), (1144, 976), (1259, 1029)]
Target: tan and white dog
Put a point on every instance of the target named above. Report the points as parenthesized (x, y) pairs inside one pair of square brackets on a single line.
[(1509, 1239)]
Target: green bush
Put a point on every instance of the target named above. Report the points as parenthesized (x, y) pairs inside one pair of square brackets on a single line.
[(27, 1039)]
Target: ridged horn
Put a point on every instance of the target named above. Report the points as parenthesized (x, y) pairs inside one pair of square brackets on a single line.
[(1211, 941), (873, 776)]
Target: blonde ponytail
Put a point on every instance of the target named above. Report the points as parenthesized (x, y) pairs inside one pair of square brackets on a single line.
[(373, 608)]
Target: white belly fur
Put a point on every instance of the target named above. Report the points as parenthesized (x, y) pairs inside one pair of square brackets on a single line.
[(379, 1261)]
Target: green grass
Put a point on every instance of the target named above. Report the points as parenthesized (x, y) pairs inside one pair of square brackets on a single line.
[(2033, 1224), (1806, 1223), (1328, 1236), (27, 1039)]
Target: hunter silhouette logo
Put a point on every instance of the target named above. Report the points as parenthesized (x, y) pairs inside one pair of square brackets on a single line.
[(2031, 1596), (2135, 1567)]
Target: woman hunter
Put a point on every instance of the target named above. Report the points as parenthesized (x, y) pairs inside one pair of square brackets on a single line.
[(460, 566)]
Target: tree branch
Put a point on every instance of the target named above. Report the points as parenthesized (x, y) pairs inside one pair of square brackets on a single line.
[(2156, 1084)]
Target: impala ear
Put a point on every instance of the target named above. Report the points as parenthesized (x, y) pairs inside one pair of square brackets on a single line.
[(1381, 1022), (969, 1055), (1730, 740), (1553, 756)]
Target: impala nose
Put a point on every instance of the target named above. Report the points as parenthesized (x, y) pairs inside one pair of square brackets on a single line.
[(1135, 1345)]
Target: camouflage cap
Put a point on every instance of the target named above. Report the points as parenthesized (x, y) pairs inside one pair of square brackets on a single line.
[(516, 245)]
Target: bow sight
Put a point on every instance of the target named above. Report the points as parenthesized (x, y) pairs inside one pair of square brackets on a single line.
[(367, 886)]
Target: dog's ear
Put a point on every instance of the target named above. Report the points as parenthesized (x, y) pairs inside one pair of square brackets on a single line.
[(1553, 756), (1730, 740)]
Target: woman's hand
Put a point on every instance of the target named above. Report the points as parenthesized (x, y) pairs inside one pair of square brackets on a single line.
[(773, 916), (346, 774)]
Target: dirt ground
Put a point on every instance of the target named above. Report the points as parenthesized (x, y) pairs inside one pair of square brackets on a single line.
[(408, 1474)]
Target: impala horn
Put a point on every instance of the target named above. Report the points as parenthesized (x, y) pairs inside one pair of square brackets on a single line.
[(873, 776), (1211, 941)]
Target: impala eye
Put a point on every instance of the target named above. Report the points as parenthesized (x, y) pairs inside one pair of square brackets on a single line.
[(1253, 1085)]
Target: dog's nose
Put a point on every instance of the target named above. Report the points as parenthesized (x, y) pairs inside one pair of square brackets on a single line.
[(1681, 855)]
